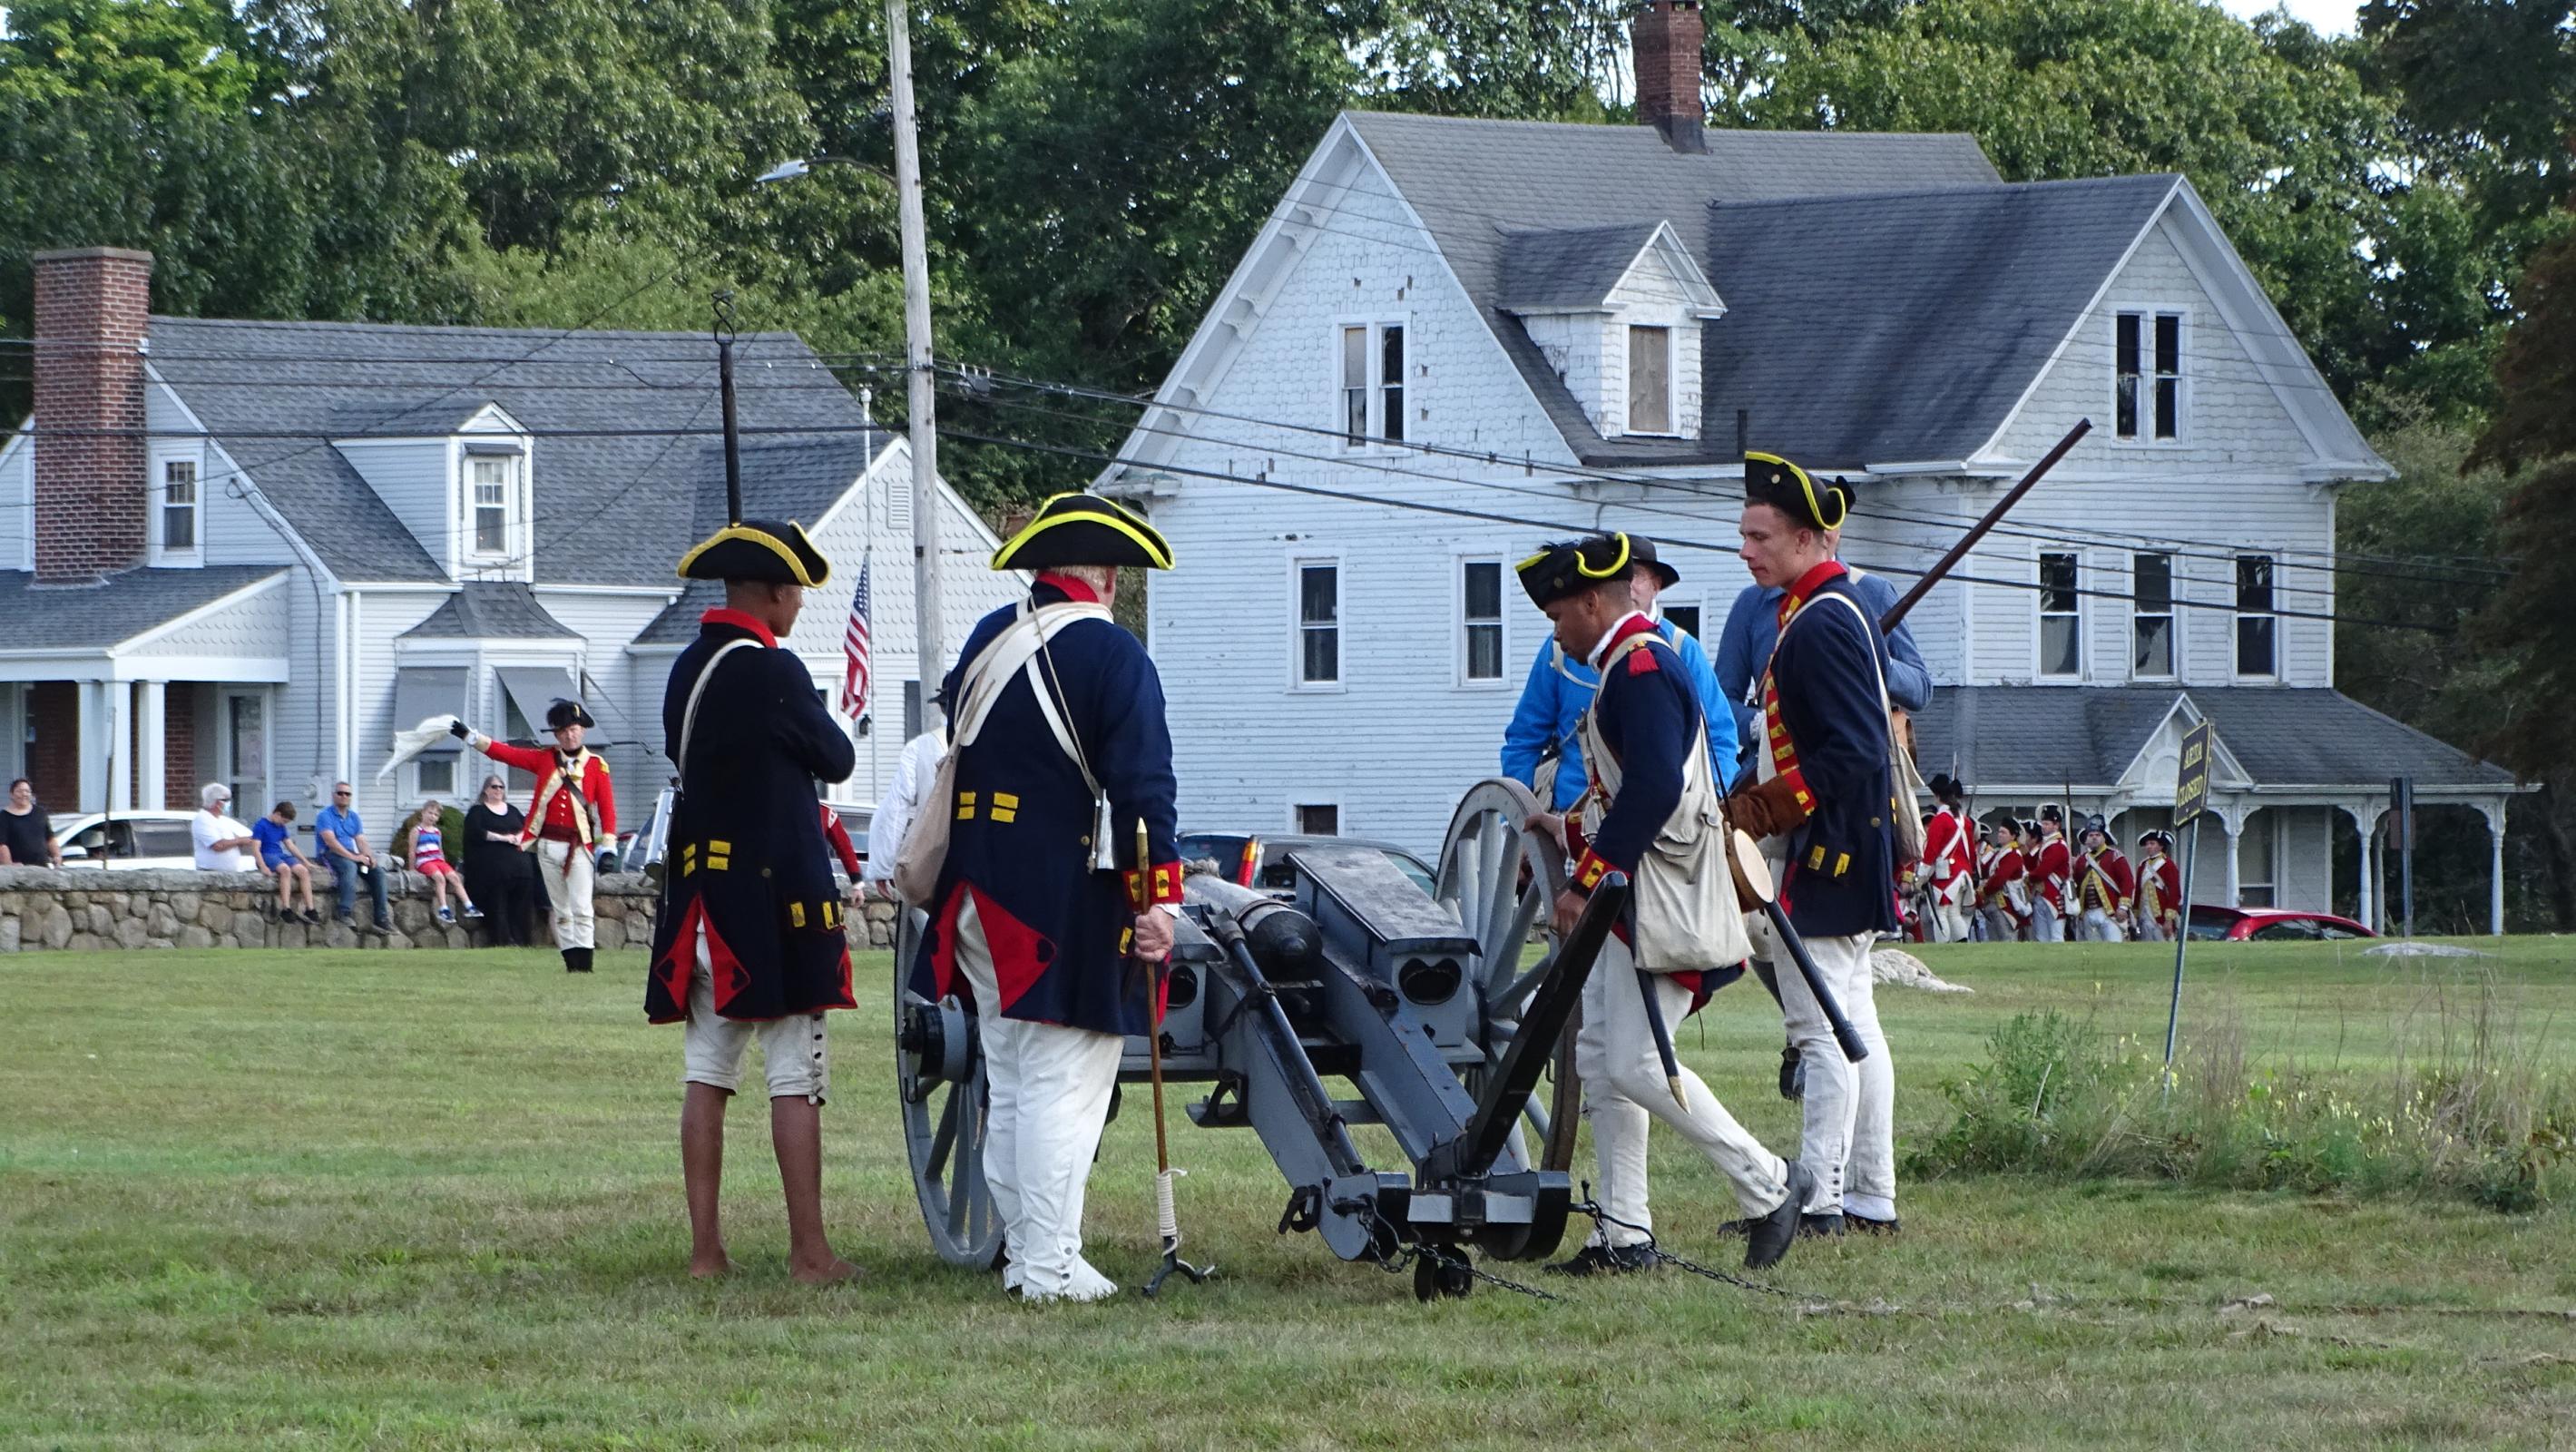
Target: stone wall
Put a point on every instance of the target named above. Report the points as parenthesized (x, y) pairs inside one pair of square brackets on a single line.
[(79, 910)]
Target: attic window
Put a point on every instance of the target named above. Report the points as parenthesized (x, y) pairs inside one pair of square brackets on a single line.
[(1372, 391), (2147, 389), (1650, 380)]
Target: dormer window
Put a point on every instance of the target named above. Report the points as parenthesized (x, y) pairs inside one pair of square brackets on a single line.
[(179, 506), (492, 479), (1650, 380)]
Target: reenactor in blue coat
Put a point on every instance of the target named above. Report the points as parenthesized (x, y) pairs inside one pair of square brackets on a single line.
[(749, 942), (1647, 720), (1823, 806), (1043, 915)]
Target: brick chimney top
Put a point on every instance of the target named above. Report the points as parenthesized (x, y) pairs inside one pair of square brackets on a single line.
[(93, 316), (1667, 39)]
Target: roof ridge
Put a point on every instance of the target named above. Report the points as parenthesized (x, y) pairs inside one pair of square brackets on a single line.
[(1989, 189), (1648, 132), (449, 329)]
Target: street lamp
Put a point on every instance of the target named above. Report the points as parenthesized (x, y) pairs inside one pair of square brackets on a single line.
[(928, 655)]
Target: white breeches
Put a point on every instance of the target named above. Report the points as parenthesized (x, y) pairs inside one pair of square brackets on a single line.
[(1949, 921), (2098, 927), (1623, 1086), (1049, 1097), (2149, 929), (2000, 927), (2045, 925), (572, 875), (1849, 1139)]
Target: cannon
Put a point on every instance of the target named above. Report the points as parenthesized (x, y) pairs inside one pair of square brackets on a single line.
[(1356, 998)]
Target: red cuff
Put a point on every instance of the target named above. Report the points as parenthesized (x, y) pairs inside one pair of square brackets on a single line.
[(1589, 869), (1166, 886)]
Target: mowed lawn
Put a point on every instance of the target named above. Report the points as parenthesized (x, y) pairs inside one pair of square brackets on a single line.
[(432, 1200)]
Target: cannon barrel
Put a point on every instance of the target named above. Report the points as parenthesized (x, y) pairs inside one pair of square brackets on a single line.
[(1282, 939)]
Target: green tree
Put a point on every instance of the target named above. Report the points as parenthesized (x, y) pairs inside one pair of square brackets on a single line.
[(161, 55)]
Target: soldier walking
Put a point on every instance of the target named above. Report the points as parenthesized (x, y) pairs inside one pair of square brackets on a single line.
[(2103, 886), (1949, 861), (749, 942), (1646, 748), (1823, 805), (572, 819), (2159, 910), (1058, 738), (2051, 869)]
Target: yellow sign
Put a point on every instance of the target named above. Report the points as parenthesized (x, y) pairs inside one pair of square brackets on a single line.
[(2191, 779)]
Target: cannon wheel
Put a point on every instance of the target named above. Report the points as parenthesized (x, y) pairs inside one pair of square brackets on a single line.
[(943, 1116), (1501, 881)]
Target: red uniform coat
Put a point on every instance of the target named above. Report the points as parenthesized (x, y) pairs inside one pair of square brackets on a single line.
[(2049, 876), (561, 822), (2105, 881), (1948, 860), (2007, 869), (2160, 888), (837, 837)]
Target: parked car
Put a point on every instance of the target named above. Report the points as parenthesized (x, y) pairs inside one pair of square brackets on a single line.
[(1273, 873), (126, 841), (2271, 925)]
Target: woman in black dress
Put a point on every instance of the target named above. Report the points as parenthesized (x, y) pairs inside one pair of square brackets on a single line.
[(24, 836), (496, 870)]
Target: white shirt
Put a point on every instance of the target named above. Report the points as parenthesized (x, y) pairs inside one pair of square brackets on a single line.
[(913, 771), (211, 827)]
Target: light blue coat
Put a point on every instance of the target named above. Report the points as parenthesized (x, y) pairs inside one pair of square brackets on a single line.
[(1560, 690)]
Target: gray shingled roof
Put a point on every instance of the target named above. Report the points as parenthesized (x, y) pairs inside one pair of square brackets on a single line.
[(2088, 736), (1885, 328), (94, 617), (618, 496), (490, 610), (1568, 267), (1470, 180), (678, 623)]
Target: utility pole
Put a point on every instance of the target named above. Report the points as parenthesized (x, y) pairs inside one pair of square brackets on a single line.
[(927, 646)]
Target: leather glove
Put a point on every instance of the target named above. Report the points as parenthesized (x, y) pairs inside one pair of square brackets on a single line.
[(459, 730), (1766, 809), (1793, 1073), (608, 859)]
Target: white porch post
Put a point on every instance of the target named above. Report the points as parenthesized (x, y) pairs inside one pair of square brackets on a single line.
[(2230, 886), (2366, 822), (93, 732), (120, 719), (2495, 869), (150, 747)]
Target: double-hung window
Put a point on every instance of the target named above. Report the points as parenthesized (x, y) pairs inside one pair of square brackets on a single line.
[(2151, 616), (2146, 400), (490, 479), (2061, 620), (2257, 649), (179, 506), (1481, 620), (1372, 391), (1319, 623)]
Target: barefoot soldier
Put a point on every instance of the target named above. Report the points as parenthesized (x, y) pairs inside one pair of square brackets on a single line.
[(1650, 783), (571, 820), (749, 941), (1823, 807), (1060, 750)]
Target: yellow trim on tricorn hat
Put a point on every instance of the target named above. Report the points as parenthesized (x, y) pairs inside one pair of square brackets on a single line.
[(1084, 529), (1566, 567), (1770, 479), (767, 550)]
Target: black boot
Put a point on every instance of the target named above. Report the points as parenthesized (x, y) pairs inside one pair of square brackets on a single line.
[(1605, 1260), (1820, 1227), (576, 960), (1767, 1239)]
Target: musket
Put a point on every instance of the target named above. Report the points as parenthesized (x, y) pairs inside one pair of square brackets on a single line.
[(1895, 615)]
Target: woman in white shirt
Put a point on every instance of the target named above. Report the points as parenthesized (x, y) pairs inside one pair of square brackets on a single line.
[(219, 839)]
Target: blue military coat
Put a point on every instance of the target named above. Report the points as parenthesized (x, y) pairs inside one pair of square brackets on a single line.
[(1753, 626), (1021, 839), (1842, 859), (746, 857)]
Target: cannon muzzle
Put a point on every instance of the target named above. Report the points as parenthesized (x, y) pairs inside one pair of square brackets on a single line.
[(1283, 940)]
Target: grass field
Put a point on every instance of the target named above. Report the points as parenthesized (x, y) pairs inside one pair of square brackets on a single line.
[(432, 1200)]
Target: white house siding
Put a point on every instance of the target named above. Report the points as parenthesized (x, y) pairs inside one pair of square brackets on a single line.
[(18, 502), (1577, 346), (415, 479), (628, 700), (253, 628), (383, 615)]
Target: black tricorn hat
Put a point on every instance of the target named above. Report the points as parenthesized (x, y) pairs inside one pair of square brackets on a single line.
[(1084, 529), (2052, 812), (1568, 567), (2157, 835), (2095, 823), (1945, 787), (567, 713), (1818, 504), (768, 551), (1641, 551)]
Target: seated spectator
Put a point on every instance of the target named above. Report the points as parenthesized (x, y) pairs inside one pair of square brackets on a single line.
[(280, 858), (219, 839), (25, 838), (342, 837), (424, 844)]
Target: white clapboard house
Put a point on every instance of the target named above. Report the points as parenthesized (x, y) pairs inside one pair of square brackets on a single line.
[(1575, 326), (248, 551)]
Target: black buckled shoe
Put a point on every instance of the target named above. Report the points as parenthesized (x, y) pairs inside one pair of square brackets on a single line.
[(1607, 1260), (1767, 1239)]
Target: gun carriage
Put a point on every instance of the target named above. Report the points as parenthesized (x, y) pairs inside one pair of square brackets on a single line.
[(1354, 999)]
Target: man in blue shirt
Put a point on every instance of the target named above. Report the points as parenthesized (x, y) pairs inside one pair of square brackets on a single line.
[(1753, 627), (343, 839), (1560, 690)]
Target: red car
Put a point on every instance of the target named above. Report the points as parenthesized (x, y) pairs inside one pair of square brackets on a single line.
[(2271, 925)]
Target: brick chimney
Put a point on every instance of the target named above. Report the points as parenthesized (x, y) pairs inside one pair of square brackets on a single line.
[(1667, 39), (92, 310)]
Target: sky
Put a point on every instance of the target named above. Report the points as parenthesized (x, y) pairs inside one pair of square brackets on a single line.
[(2332, 17)]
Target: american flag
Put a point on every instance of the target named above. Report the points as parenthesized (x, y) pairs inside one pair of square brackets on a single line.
[(854, 644)]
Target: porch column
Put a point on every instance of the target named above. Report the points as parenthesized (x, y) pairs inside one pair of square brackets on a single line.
[(2495, 867), (93, 736), (2230, 886), (120, 728), (151, 741), (2366, 823)]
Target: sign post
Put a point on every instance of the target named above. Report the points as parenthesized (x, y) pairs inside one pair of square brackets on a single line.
[(2191, 798), (2401, 825)]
